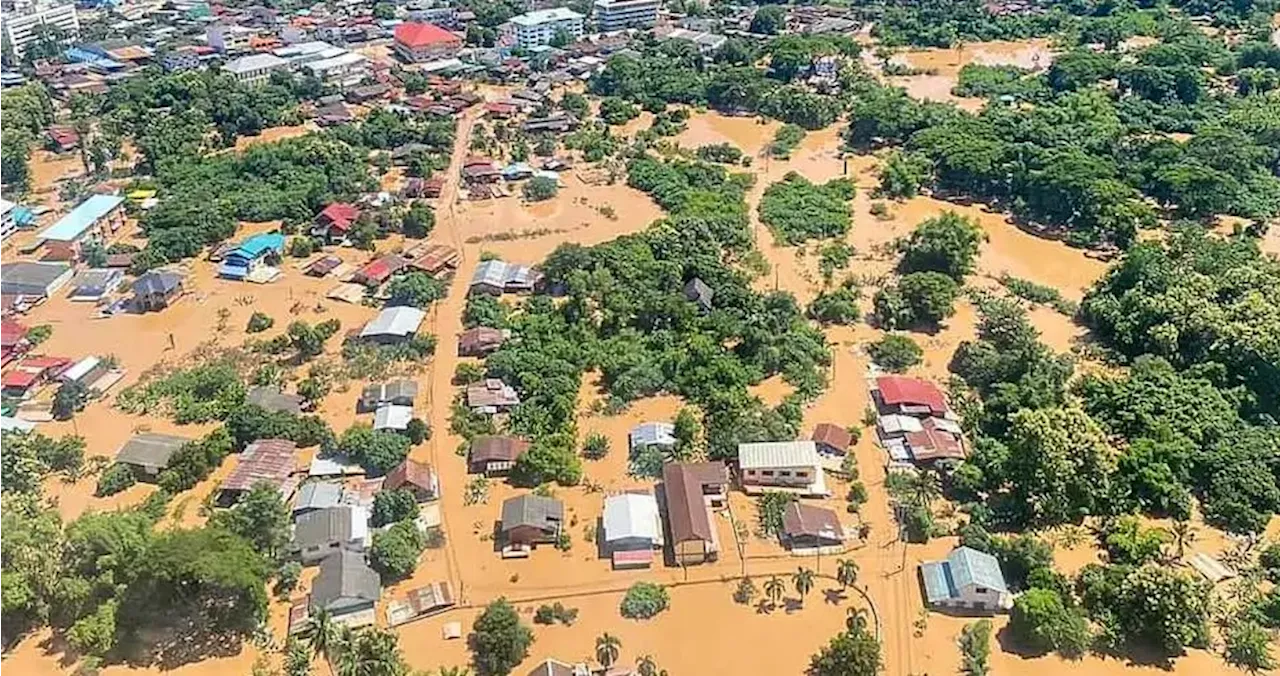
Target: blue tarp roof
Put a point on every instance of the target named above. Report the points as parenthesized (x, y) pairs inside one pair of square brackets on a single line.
[(259, 244), (23, 216), (71, 227), (81, 55), (233, 271)]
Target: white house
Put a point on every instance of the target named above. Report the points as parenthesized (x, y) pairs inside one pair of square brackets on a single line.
[(255, 69), (320, 533), (966, 580), (791, 466), (632, 529)]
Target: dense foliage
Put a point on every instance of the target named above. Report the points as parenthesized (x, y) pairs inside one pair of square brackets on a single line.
[(797, 210)]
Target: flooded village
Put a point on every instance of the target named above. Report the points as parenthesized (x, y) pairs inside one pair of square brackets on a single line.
[(442, 346)]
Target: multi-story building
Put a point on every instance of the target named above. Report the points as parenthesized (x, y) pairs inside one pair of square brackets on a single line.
[(347, 69), (255, 69), (8, 223), (230, 39), (418, 42), (616, 15), (535, 29), (22, 27)]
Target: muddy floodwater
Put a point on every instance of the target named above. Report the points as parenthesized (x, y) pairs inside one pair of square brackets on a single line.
[(943, 66)]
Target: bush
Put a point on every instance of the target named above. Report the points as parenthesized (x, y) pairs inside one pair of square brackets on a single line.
[(259, 322), (540, 188), (557, 612), (287, 578), (770, 508), (418, 431), (393, 506), (466, 373), (644, 600), (895, 353), (723, 153), (615, 111), (596, 446), (785, 140), (919, 299), (301, 247), (418, 221), (838, 306), (797, 210), (114, 479), (1041, 621)]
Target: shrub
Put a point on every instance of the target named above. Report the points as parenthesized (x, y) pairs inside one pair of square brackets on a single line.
[(596, 446), (540, 188), (466, 373), (895, 353), (301, 247), (418, 431), (644, 600), (114, 479), (259, 322)]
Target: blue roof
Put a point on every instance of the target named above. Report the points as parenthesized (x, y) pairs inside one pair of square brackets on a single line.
[(938, 585), (972, 567), (71, 227), (233, 271), (82, 55), (23, 216), (259, 244)]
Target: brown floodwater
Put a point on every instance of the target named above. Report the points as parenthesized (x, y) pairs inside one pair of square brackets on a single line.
[(944, 66)]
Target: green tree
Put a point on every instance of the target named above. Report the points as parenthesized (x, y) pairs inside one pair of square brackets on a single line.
[(70, 399), (947, 243), (379, 451), (540, 188), (419, 220), (1042, 622), (262, 518), (499, 641), (919, 299), (259, 322), (415, 289), (803, 581), (975, 648), (393, 506), (895, 353), (644, 600), (395, 551), (371, 651), (322, 634), (774, 588), (769, 20), (851, 653), (846, 573)]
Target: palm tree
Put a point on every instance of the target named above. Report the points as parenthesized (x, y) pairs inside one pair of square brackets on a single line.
[(774, 589), (745, 592), (926, 488), (607, 648), (370, 652), (454, 671), (846, 573), (803, 580), (856, 619), (646, 666), (321, 633)]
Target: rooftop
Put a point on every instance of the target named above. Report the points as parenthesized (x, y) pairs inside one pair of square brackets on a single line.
[(531, 510), (150, 450), (72, 226), (253, 62), (895, 390), (546, 16), (770, 454), (421, 34), (394, 321), (632, 515)]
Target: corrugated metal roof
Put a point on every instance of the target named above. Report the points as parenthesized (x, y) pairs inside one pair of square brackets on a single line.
[(769, 454), (392, 417), (972, 567), (652, 434), (631, 515), (394, 321)]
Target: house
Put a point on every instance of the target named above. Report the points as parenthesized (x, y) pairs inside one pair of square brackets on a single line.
[(400, 392), (690, 490), (367, 93), (272, 399), (966, 580), (632, 529), (335, 221), (914, 424), (94, 284), (376, 272), (660, 434), (31, 373), (322, 266), (438, 260), (555, 667), (259, 251), (908, 396), (316, 495), (392, 417), (34, 280), (698, 292), (319, 533), (480, 170), (393, 325), (495, 277), (149, 453), (156, 289), (94, 221), (333, 114), (419, 42), (13, 339), (529, 520), (85, 372), (516, 171), (62, 139), (480, 341), (806, 528), (347, 588), (791, 466), (832, 439), (491, 396), (421, 602), (416, 476), (557, 122), (346, 69), (271, 461), (494, 455)]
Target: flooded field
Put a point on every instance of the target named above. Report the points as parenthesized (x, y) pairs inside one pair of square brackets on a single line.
[(942, 66)]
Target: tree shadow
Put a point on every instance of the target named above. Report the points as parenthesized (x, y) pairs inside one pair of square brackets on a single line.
[(764, 607), (834, 596), (792, 605), (184, 642)]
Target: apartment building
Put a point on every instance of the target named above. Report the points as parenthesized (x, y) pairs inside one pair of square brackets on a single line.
[(255, 69), (22, 27), (616, 15), (535, 29)]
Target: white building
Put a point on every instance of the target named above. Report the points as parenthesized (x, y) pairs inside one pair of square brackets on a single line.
[(632, 529), (535, 29), (616, 15), (347, 69), (21, 28), (255, 69), (791, 466), (966, 579), (305, 52)]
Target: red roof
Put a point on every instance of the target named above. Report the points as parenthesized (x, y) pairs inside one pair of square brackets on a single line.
[(340, 215), (11, 332), (42, 363), (895, 390), (413, 473), (933, 443), (19, 378), (380, 269), (269, 460), (414, 34)]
